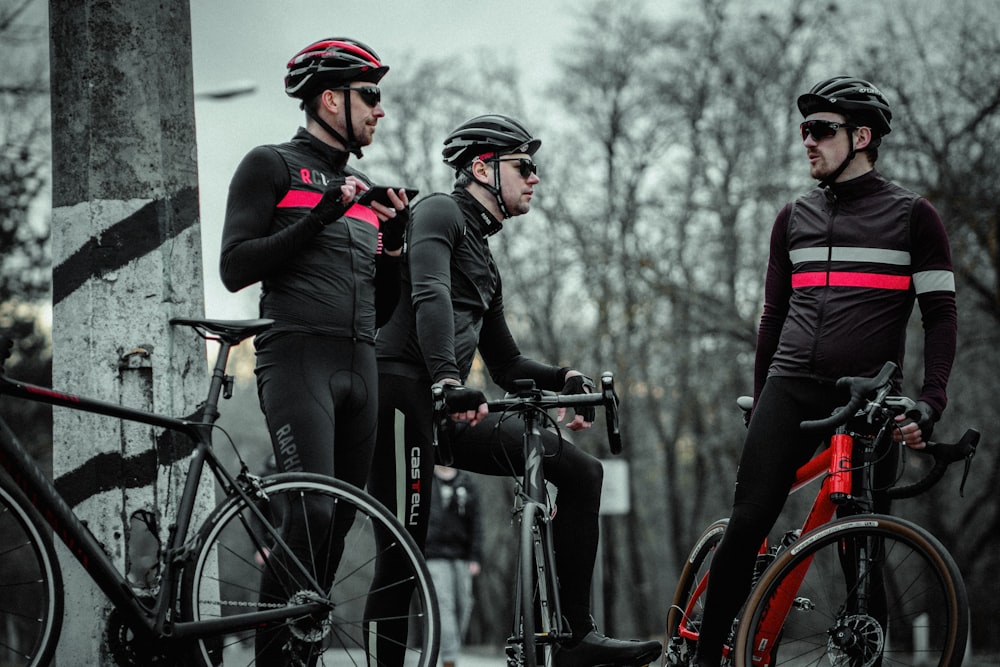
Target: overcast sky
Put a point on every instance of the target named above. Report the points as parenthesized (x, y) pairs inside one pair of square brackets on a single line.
[(236, 41)]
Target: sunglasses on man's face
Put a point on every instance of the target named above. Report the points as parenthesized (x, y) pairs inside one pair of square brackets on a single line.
[(370, 95), (821, 129), (524, 165)]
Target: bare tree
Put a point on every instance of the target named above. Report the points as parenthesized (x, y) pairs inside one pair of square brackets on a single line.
[(24, 223)]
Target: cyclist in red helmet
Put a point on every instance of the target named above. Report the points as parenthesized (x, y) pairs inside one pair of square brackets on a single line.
[(847, 262), (326, 265), (450, 307)]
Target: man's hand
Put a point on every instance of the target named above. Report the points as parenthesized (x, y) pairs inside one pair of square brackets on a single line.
[(392, 221), (917, 425), (337, 198), (464, 404), (578, 383)]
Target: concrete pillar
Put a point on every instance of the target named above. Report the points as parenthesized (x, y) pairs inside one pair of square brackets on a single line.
[(126, 252)]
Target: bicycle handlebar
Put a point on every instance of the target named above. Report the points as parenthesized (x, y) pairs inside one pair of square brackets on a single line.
[(862, 389), (528, 397), (944, 455)]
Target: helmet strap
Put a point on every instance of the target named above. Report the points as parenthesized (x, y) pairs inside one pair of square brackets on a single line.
[(350, 143), (497, 192), (829, 180)]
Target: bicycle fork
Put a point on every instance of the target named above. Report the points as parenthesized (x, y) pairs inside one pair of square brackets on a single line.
[(537, 581)]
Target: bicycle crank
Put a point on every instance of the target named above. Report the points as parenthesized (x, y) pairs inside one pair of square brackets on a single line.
[(129, 650)]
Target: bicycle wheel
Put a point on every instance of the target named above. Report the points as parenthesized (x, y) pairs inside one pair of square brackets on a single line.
[(684, 615), (875, 590), (333, 538), (31, 602)]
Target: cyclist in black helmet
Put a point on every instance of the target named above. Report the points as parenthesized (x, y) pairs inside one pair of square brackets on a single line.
[(292, 224), (848, 259), (451, 305)]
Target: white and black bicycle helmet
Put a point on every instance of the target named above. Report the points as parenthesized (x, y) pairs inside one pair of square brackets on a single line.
[(855, 99), (487, 136)]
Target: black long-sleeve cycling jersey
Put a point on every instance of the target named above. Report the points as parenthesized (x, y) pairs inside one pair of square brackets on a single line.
[(451, 301), (316, 278)]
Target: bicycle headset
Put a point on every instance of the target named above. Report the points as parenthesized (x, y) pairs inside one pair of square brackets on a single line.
[(860, 102), (488, 138), (332, 63)]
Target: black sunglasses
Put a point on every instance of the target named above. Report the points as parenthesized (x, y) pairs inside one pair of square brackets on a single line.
[(371, 95), (822, 129), (524, 165)]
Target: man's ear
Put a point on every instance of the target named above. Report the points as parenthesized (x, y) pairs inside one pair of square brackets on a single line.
[(863, 138), (480, 171), (331, 99)]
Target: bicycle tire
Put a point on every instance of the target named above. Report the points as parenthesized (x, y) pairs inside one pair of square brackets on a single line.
[(236, 553), (689, 597), (31, 607), (925, 617), (527, 576), (536, 629)]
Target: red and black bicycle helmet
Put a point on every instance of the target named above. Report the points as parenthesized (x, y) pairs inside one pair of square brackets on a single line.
[(331, 62), (856, 99)]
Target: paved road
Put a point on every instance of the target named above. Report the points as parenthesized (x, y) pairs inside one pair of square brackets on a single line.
[(482, 656)]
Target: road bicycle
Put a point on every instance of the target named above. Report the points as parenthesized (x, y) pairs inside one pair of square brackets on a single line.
[(539, 626), (865, 589), (283, 564)]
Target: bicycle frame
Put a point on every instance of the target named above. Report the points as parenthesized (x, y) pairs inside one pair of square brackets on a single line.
[(154, 621)]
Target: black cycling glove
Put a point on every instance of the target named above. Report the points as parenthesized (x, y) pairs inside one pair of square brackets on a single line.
[(393, 229), (459, 398), (330, 207), (925, 416), (581, 384)]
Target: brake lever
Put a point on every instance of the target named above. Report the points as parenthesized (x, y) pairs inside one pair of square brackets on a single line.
[(968, 464)]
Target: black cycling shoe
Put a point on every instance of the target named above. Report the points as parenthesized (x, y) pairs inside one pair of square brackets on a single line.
[(596, 650)]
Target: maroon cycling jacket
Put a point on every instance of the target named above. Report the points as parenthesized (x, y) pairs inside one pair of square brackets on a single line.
[(845, 267)]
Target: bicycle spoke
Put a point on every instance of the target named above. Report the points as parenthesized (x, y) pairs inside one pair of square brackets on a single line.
[(338, 538)]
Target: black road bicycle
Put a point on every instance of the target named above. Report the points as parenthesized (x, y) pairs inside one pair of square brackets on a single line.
[(240, 583), (539, 626)]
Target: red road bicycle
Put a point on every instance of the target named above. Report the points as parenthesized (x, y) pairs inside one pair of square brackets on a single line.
[(862, 590)]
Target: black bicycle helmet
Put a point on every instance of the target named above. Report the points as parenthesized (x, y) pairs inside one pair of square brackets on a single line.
[(488, 137), (854, 98), (331, 62)]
